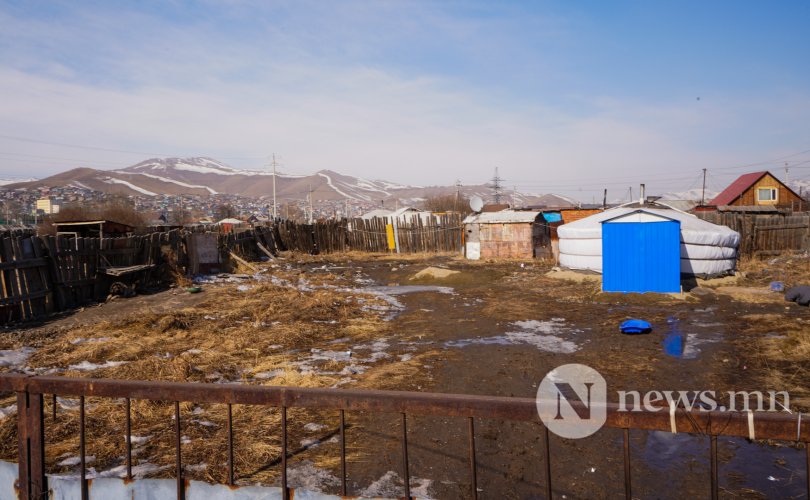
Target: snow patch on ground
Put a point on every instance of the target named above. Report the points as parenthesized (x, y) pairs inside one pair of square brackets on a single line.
[(15, 358), (543, 335), (390, 485), (87, 366), (308, 477)]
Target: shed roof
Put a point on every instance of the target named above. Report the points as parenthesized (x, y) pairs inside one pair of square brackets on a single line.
[(503, 217)]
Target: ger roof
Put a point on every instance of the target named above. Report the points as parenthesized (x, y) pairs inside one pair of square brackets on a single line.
[(737, 188)]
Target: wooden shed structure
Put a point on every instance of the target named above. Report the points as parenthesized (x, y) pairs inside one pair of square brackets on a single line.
[(508, 234), (93, 229)]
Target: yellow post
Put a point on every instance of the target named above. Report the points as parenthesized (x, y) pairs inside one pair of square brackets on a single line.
[(389, 231)]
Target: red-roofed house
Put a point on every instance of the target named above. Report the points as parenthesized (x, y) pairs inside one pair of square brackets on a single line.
[(757, 189)]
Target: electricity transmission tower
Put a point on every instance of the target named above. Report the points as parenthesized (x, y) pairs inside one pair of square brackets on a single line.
[(497, 187)]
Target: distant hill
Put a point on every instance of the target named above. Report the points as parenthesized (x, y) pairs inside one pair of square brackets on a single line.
[(206, 176)]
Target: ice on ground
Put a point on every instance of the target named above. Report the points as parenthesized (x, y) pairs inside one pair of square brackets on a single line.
[(82, 340), (540, 334), (15, 358), (71, 461), (196, 467), (268, 375), (88, 366), (692, 343), (8, 411), (308, 477), (310, 443), (138, 440), (389, 293), (390, 485), (314, 427)]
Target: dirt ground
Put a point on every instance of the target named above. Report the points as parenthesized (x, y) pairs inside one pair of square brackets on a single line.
[(493, 328)]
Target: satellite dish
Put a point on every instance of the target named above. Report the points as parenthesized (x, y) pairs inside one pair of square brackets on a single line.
[(476, 203)]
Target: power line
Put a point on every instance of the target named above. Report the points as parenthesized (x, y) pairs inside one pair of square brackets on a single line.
[(109, 150)]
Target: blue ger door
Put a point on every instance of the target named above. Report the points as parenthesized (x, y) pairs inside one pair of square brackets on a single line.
[(641, 256)]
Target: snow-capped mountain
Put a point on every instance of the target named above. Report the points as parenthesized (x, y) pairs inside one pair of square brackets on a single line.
[(206, 176), (691, 195)]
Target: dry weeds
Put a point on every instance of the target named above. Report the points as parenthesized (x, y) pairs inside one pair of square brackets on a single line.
[(232, 336)]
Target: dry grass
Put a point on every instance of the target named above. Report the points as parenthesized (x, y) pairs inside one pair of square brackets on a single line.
[(232, 335)]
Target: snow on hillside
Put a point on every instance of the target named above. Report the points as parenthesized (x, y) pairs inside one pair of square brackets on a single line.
[(692, 194), (196, 165), (5, 182), (179, 183), (113, 180)]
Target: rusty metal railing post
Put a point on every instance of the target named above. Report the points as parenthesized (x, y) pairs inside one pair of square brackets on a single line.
[(547, 450), (284, 489), (230, 445), (82, 453), (343, 453), (36, 446), (715, 486), (627, 486), (178, 460), (405, 472), (129, 439), (473, 472), (23, 447)]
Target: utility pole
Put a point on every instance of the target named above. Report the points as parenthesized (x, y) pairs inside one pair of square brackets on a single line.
[(604, 200), (787, 174), (347, 208), (311, 214), (458, 194), (274, 186), (496, 187), (703, 191)]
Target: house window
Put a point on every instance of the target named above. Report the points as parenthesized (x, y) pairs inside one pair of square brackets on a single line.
[(767, 194)]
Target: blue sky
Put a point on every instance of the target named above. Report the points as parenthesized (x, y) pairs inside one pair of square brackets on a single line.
[(567, 97)]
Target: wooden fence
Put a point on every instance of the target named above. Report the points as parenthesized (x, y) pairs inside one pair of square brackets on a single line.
[(41, 275), (441, 233), (765, 234)]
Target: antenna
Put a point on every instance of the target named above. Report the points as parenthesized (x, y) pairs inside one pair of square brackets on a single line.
[(496, 187), (703, 191), (476, 203), (274, 185)]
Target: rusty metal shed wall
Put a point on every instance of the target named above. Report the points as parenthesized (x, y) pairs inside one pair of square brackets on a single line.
[(511, 241)]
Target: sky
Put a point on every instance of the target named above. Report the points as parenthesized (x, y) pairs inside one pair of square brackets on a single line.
[(563, 97)]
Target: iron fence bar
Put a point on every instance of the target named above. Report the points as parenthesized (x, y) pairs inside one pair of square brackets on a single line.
[(627, 486), (285, 491), (129, 438), (406, 474), (82, 459), (23, 447), (715, 487), (178, 459), (53, 405), (473, 472), (807, 468), (230, 445), (547, 450), (768, 425), (36, 440), (343, 453)]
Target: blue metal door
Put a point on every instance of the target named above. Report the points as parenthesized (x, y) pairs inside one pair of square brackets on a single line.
[(641, 257)]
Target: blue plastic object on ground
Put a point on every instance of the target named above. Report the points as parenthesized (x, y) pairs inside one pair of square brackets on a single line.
[(635, 326), (777, 286)]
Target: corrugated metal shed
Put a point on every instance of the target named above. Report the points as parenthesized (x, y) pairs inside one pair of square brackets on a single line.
[(503, 217), (641, 253)]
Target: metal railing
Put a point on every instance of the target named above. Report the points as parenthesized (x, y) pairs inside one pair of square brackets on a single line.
[(31, 392)]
